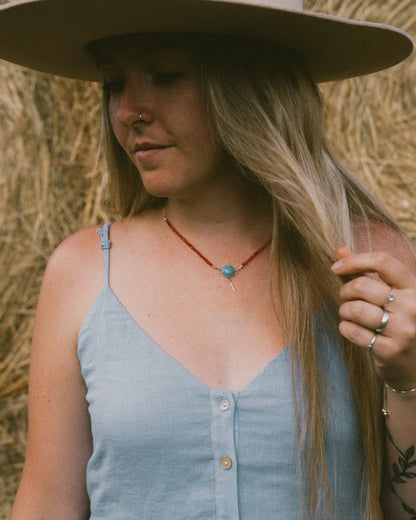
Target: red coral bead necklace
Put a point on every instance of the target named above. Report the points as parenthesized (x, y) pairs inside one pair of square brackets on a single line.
[(228, 271)]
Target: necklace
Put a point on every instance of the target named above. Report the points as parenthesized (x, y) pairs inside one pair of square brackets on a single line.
[(228, 271)]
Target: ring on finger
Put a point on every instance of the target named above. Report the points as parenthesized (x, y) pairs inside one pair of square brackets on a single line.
[(384, 321), (390, 298), (371, 345)]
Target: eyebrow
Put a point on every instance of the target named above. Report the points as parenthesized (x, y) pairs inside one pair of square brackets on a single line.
[(149, 44), (103, 60)]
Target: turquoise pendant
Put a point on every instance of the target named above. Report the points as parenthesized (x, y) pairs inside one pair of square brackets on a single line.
[(228, 271)]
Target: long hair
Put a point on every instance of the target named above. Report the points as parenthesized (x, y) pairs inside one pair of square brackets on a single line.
[(267, 114)]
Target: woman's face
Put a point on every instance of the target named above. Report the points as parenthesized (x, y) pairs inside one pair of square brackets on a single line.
[(171, 143)]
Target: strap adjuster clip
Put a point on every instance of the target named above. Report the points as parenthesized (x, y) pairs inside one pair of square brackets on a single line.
[(105, 244)]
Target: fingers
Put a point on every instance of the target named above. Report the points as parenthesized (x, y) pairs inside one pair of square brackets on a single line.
[(366, 289), (378, 311), (343, 251), (368, 316), (389, 269), (362, 336)]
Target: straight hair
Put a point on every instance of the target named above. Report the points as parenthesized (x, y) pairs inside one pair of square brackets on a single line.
[(267, 114)]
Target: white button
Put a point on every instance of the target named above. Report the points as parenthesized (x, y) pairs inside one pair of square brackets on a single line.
[(226, 463), (225, 404)]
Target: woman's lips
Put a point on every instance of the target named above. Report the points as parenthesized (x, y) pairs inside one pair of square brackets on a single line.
[(149, 152)]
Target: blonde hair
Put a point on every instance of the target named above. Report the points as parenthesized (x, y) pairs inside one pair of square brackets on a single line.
[(267, 114)]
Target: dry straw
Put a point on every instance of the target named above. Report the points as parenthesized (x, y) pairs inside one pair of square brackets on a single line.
[(51, 184)]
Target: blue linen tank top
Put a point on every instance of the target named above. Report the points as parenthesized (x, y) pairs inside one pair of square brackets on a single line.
[(167, 447)]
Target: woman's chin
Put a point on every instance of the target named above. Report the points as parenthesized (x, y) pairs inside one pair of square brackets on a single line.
[(161, 191), (165, 188)]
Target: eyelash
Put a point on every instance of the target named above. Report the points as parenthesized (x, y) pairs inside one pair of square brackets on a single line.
[(159, 79)]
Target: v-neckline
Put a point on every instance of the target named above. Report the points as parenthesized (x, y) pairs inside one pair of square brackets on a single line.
[(161, 350)]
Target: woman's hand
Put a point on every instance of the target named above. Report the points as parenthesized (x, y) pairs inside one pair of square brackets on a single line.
[(376, 278)]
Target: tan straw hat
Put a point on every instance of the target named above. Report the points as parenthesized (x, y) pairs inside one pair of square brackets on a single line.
[(52, 35)]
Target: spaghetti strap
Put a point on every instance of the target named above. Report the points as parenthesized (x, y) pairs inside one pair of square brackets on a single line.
[(105, 244)]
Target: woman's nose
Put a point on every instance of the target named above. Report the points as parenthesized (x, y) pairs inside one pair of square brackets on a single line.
[(134, 103)]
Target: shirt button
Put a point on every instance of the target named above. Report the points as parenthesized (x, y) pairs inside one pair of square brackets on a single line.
[(225, 404), (226, 463)]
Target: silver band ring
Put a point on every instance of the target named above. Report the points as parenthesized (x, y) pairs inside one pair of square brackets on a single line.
[(370, 346), (140, 116), (390, 298), (384, 321)]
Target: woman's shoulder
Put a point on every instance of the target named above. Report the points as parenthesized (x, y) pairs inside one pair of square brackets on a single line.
[(79, 249), (83, 246), (75, 273), (80, 256), (73, 278)]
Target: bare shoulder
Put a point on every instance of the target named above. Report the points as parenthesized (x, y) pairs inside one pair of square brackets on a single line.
[(76, 268), (73, 277), (75, 258), (80, 255), (380, 237), (78, 247)]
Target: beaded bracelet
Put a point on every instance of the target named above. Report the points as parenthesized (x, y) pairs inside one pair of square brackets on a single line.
[(384, 409)]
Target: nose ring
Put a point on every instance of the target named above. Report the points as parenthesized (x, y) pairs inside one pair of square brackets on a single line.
[(140, 119)]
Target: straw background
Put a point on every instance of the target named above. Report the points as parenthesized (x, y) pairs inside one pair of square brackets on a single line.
[(52, 183)]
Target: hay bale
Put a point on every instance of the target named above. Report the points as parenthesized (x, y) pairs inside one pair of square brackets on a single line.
[(372, 120), (51, 184)]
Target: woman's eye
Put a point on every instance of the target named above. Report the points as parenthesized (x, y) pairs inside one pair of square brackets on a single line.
[(166, 79), (113, 87), (159, 79)]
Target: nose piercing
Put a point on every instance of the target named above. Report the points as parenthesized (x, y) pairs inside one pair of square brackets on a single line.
[(139, 119)]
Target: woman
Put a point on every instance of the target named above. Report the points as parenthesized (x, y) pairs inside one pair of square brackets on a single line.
[(191, 366)]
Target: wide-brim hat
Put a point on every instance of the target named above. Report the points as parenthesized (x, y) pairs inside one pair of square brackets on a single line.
[(52, 35)]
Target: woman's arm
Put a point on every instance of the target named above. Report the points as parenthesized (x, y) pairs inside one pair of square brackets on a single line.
[(393, 351), (53, 484), (399, 498)]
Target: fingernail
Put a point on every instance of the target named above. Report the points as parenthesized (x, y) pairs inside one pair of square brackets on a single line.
[(337, 266)]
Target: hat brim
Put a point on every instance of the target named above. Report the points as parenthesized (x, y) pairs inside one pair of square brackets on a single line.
[(52, 35)]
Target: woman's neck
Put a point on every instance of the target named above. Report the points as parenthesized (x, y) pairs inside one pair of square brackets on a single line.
[(241, 213)]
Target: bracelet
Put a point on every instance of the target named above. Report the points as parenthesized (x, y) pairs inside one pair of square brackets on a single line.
[(384, 409)]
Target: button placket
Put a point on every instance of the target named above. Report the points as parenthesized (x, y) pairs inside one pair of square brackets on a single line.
[(222, 434)]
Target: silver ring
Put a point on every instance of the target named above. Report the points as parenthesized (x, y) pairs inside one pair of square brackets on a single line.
[(384, 321), (140, 116), (371, 345), (390, 298)]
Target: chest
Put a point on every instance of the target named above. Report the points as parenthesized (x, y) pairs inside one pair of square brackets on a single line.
[(224, 338), (179, 440)]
